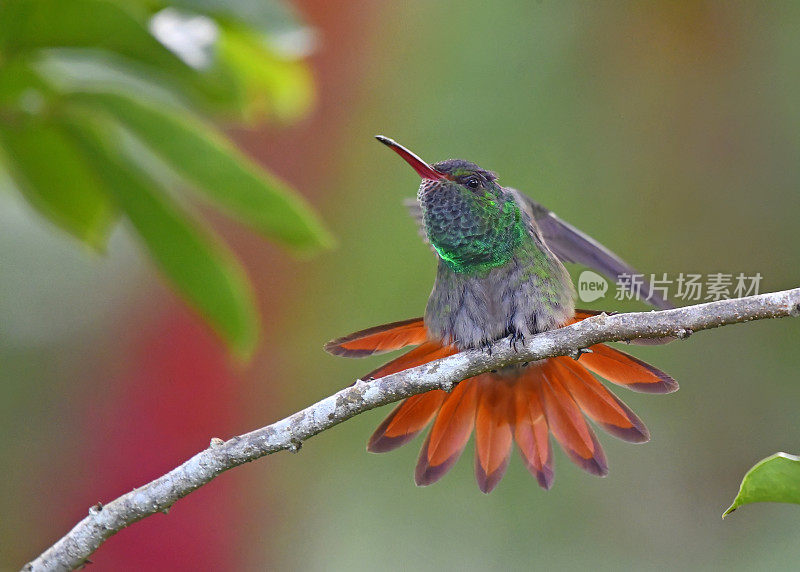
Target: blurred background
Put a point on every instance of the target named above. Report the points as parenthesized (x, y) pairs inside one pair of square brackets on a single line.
[(669, 131)]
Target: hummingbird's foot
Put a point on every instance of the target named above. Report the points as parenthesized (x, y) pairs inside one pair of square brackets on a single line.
[(486, 346), (514, 338), (576, 355)]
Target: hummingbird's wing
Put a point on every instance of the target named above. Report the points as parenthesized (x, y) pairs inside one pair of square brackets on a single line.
[(569, 244), (572, 245)]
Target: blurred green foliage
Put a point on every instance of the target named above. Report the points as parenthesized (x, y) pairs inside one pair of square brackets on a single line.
[(774, 479), (105, 108)]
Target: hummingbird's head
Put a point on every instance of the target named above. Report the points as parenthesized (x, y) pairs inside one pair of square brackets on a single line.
[(472, 222)]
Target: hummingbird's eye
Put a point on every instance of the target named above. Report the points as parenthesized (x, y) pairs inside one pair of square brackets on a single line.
[(473, 182)]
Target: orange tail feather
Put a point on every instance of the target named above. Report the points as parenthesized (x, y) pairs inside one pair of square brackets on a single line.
[(625, 370), (379, 339), (524, 405), (531, 431), (425, 353), (569, 426), (406, 421), (599, 404), (449, 434), (494, 425)]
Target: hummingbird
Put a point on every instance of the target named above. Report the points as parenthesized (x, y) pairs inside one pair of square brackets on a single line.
[(501, 274)]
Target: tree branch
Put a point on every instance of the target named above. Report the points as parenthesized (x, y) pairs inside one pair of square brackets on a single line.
[(74, 549)]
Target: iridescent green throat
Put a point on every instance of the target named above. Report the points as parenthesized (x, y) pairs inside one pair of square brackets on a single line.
[(487, 237)]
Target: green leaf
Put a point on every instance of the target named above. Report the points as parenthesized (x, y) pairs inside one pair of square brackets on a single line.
[(222, 173), (56, 179), (93, 25), (273, 85), (21, 88), (201, 269), (774, 479), (70, 70), (33, 24)]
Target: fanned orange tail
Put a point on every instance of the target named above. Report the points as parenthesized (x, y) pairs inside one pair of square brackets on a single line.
[(380, 339), (519, 404)]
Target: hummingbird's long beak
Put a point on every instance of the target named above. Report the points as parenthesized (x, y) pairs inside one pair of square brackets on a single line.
[(421, 167)]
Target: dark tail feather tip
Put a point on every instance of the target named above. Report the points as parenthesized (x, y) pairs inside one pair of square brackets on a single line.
[(487, 483), (384, 444), (666, 385), (592, 465), (629, 434), (426, 474), (544, 477), (596, 464)]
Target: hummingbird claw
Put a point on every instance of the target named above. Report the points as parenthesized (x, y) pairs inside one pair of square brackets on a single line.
[(514, 338), (448, 386), (576, 355), (361, 382)]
